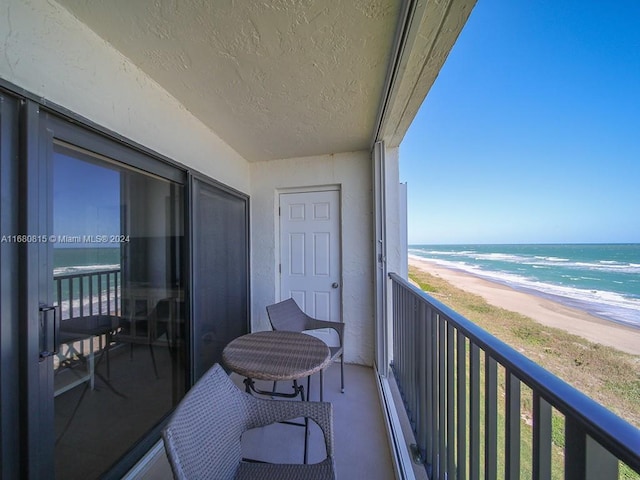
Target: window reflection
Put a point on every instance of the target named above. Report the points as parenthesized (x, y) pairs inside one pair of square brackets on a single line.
[(118, 280)]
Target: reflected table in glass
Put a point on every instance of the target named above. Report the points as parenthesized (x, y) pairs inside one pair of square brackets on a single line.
[(71, 349), (94, 326)]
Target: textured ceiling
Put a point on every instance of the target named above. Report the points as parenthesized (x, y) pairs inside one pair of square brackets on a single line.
[(273, 78)]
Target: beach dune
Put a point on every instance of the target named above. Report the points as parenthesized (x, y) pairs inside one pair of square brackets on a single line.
[(542, 310)]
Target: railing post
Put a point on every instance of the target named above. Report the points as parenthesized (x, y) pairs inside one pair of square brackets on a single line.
[(599, 462), (491, 417), (435, 393), (462, 405), (575, 451), (91, 294), (442, 397), (512, 426), (394, 323), (451, 428), (586, 459), (71, 297), (81, 294), (474, 413), (116, 290), (100, 294), (412, 356), (58, 282), (402, 353), (424, 427), (108, 294), (430, 424), (541, 438)]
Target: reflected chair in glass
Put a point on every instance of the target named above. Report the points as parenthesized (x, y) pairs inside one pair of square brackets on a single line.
[(203, 436), (143, 325), (288, 316), (169, 321)]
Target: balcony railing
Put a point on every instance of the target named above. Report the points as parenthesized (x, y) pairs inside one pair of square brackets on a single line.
[(88, 293), (464, 391)]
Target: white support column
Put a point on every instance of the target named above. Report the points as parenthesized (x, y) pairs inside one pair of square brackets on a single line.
[(390, 239)]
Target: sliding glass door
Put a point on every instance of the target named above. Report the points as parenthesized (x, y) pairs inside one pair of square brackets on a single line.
[(117, 281), (123, 276), (220, 271), (109, 238)]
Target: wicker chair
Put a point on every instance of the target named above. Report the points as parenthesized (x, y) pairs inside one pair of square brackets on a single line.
[(287, 315), (202, 439)]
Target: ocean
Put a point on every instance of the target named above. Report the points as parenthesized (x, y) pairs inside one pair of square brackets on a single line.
[(81, 260), (601, 279)]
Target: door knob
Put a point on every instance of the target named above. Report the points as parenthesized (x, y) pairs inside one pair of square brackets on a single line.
[(334, 285)]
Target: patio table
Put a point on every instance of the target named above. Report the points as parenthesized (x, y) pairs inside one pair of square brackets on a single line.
[(277, 356)]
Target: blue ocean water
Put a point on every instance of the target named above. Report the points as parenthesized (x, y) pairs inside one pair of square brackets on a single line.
[(84, 259), (602, 279)]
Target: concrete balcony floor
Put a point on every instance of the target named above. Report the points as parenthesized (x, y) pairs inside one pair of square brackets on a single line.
[(361, 444)]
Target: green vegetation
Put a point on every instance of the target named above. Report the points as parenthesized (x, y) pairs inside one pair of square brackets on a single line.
[(424, 286), (605, 374)]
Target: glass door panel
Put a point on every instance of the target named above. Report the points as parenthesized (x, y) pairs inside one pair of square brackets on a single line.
[(221, 272), (117, 248)]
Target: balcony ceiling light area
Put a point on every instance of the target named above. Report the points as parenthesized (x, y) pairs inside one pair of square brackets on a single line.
[(274, 79)]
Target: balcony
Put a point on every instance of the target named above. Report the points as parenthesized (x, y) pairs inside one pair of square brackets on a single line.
[(98, 404), (463, 391), (257, 116)]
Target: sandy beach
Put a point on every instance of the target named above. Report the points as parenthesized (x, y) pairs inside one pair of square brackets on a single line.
[(547, 312)]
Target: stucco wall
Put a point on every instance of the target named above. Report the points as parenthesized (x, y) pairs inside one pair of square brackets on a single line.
[(48, 52), (352, 173)]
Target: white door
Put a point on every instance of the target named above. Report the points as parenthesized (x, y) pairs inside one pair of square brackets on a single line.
[(310, 252)]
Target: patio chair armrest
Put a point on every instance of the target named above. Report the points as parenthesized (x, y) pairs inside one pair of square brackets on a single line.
[(337, 326), (266, 412)]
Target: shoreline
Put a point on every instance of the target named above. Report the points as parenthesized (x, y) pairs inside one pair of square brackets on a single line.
[(539, 308)]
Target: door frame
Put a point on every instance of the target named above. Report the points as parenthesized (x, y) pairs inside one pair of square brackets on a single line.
[(10, 291), (278, 235), (35, 216)]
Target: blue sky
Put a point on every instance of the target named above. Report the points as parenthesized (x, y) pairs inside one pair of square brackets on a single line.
[(86, 199), (531, 133)]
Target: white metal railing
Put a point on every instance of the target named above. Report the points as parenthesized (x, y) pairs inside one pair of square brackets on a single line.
[(88, 293), (463, 391)]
